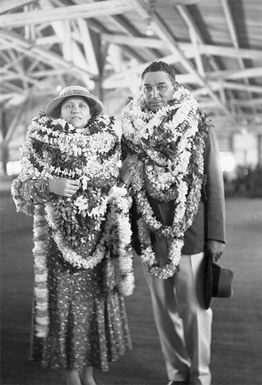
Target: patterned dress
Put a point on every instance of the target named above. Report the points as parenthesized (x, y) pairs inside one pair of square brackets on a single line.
[(87, 321), (87, 317)]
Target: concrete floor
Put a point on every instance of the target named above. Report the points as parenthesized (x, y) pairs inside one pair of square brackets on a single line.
[(237, 326)]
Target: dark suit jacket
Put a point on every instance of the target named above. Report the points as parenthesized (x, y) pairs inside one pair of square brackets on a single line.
[(209, 222)]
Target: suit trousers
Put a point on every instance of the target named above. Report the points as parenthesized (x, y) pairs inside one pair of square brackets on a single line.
[(183, 325)]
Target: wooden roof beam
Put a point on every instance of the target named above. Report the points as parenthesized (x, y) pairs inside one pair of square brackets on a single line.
[(210, 49), (13, 62), (159, 3), (7, 86), (212, 61), (49, 73), (216, 85), (10, 76), (242, 87), (161, 30), (83, 11), (36, 63), (131, 30), (46, 56), (187, 48), (7, 5), (232, 30), (99, 28), (87, 45), (32, 77), (133, 41), (71, 32), (255, 72), (189, 78), (15, 120), (195, 38), (48, 40), (6, 97), (247, 103), (185, 14), (131, 73), (18, 68)]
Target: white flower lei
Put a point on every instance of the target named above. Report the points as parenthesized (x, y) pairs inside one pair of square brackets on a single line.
[(94, 159), (169, 145)]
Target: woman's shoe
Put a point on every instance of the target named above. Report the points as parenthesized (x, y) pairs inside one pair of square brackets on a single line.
[(177, 383)]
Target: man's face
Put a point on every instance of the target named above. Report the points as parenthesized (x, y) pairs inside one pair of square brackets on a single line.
[(76, 111), (158, 89)]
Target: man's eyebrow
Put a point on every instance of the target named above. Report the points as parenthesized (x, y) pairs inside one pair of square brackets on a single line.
[(149, 84)]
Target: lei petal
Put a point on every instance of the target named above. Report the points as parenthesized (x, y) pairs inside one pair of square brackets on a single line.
[(80, 225), (169, 166)]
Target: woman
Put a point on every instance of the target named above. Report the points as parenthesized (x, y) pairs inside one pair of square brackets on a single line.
[(82, 254)]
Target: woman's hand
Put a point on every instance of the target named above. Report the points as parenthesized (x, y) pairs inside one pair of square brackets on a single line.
[(127, 169), (64, 187)]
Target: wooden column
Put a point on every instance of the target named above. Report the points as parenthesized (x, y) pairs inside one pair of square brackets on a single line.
[(259, 149), (4, 145), (101, 54)]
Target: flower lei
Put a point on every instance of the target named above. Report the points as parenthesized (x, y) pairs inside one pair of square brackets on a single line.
[(81, 225), (166, 163)]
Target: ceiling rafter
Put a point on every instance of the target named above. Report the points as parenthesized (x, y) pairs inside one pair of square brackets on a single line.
[(83, 11), (63, 46), (233, 34), (46, 56), (216, 85), (247, 103), (240, 74), (187, 48), (242, 87), (162, 31), (7, 5), (130, 30), (66, 31), (88, 47), (196, 38), (100, 29), (192, 25), (190, 78)]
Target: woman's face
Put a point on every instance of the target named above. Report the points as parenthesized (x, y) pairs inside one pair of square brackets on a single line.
[(76, 111)]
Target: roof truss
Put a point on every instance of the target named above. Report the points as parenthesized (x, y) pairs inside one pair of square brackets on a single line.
[(101, 44)]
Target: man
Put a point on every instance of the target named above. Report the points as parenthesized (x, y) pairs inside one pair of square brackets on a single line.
[(172, 165)]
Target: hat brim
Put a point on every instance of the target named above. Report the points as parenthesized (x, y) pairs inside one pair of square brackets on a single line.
[(218, 281), (222, 281), (53, 107), (208, 280)]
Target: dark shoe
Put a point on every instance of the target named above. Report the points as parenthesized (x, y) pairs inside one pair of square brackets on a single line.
[(177, 383)]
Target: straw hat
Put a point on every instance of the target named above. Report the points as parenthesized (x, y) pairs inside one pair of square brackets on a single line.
[(218, 281), (53, 107)]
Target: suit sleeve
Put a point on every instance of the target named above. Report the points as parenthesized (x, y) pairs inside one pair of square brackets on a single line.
[(215, 198)]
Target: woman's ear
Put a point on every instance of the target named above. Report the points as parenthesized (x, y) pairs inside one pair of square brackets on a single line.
[(175, 86)]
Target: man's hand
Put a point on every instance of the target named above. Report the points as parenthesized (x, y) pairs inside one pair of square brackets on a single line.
[(64, 187), (215, 249)]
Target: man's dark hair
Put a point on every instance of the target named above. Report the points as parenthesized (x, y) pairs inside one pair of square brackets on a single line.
[(160, 66)]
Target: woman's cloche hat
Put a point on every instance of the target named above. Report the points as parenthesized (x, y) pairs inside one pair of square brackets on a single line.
[(53, 107)]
